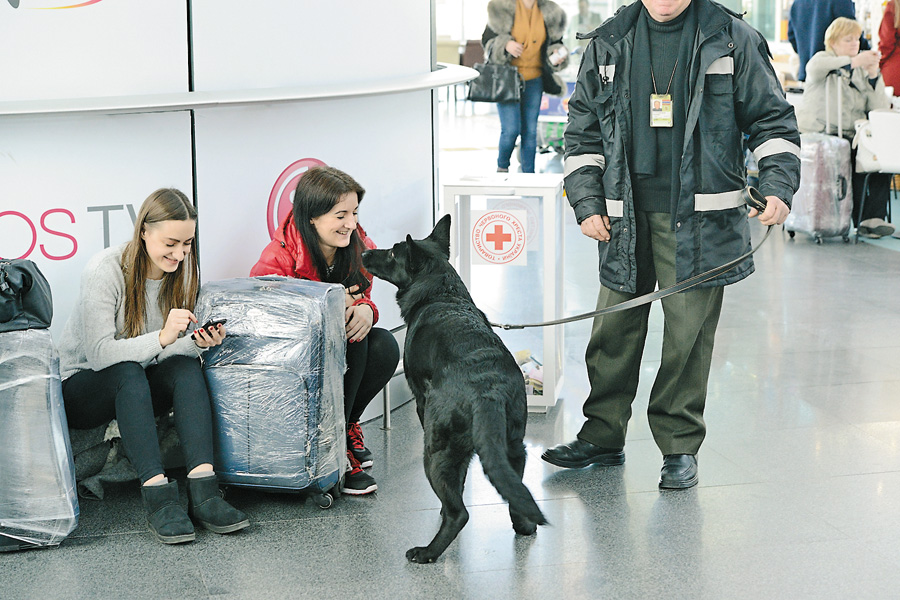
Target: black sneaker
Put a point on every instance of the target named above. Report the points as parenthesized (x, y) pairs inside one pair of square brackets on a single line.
[(357, 482), (357, 446)]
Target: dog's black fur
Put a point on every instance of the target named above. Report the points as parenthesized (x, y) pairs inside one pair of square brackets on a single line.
[(470, 393)]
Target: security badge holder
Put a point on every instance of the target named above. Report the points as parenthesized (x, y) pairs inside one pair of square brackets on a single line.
[(661, 110)]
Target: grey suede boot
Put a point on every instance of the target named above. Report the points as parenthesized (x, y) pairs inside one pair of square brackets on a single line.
[(208, 507), (165, 516)]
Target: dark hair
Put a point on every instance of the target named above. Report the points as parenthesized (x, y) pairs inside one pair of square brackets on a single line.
[(179, 289), (318, 191)]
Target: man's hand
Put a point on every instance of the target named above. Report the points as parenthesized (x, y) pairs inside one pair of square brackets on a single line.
[(775, 214), (596, 227)]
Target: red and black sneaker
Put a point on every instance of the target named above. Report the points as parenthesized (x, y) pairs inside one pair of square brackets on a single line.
[(357, 446), (357, 482)]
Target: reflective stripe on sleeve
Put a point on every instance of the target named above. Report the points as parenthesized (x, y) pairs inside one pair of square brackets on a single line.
[(573, 163), (775, 146)]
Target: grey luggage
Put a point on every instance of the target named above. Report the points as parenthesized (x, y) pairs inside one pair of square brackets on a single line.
[(38, 502), (822, 206)]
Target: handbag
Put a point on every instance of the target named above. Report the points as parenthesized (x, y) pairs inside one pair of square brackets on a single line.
[(496, 83), (876, 143), (25, 299)]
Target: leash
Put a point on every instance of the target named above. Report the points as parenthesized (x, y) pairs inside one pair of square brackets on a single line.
[(751, 197)]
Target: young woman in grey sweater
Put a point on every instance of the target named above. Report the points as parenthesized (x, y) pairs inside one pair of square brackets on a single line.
[(124, 355)]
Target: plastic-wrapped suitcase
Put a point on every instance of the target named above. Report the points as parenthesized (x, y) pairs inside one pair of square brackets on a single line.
[(38, 500), (822, 206), (277, 383)]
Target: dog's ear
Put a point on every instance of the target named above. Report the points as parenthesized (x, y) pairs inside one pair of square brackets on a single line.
[(441, 235), (413, 254)]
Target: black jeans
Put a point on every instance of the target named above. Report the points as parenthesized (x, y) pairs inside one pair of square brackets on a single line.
[(371, 363), (134, 397)]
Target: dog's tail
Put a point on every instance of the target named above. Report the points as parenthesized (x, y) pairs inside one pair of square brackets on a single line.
[(491, 445)]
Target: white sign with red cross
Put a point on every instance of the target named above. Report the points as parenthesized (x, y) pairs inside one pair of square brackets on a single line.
[(498, 237)]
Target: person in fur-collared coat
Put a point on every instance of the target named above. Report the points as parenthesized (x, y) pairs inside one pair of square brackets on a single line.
[(528, 35)]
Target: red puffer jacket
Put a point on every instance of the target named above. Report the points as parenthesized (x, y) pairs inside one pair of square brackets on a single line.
[(287, 255)]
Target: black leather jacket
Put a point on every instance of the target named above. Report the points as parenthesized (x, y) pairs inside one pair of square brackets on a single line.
[(734, 92)]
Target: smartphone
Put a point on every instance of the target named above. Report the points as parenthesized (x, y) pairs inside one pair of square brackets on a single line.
[(209, 325), (356, 278)]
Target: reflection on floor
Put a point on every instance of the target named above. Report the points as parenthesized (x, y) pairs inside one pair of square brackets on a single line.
[(799, 492)]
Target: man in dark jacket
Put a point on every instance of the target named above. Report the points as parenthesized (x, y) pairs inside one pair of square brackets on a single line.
[(654, 171), (807, 23)]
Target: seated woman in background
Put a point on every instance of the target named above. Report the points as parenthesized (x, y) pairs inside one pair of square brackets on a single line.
[(123, 355), (321, 240), (859, 83)]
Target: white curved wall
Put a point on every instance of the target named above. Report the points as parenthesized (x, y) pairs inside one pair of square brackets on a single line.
[(268, 43), (61, 157), (108, 48)]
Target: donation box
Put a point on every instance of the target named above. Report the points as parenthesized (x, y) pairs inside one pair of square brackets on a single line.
[(508, 246)]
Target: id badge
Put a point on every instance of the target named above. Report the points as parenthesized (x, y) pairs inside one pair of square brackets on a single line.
[(661, 110)]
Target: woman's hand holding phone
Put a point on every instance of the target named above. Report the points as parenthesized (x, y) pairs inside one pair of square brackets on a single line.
[(354, 287), (211, 334), (351, 295)]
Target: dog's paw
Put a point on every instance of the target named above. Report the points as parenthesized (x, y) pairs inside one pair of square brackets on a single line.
[(419, 555), (525, 528)]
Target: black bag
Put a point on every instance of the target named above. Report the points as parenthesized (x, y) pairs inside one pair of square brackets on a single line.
[(25, 300), (497, 83)]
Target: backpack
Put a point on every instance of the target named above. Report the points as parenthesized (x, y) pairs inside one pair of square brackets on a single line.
[(25, 299)]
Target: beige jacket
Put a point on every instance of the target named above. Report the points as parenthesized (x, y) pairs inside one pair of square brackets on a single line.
[(858, 96)]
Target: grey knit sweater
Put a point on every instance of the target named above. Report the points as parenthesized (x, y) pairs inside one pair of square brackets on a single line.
[(92, 338)]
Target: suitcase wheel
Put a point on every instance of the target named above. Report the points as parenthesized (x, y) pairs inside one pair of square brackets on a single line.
[(323, 501)]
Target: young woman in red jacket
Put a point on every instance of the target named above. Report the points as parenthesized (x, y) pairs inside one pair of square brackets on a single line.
[(321, 240)]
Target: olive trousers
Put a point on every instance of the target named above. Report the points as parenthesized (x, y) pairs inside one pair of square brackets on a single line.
[(613, 357)]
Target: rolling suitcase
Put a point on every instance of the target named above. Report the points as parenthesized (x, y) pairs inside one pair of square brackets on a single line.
[(277, 384), (38, 501), (823, 205)]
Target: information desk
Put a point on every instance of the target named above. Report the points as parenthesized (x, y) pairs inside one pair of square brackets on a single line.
[(507, 243)]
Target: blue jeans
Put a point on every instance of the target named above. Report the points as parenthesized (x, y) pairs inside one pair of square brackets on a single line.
[(520, 118)]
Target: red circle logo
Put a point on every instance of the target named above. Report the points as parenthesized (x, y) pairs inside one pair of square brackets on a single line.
[(281, 198), (498, 237)]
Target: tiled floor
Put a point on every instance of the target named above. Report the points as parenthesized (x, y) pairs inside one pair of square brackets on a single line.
[(799, 493)]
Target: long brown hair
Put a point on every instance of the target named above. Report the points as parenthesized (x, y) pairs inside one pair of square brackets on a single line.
[(318, 191), (179, 289)]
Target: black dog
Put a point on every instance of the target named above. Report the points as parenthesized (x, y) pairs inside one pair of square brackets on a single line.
[(470, 393)]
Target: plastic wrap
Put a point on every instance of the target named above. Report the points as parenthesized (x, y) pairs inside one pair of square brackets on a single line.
[(277, 381), (822, 205), (38, 502)]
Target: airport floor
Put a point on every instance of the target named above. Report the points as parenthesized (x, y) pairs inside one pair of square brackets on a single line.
[(799, 493)]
